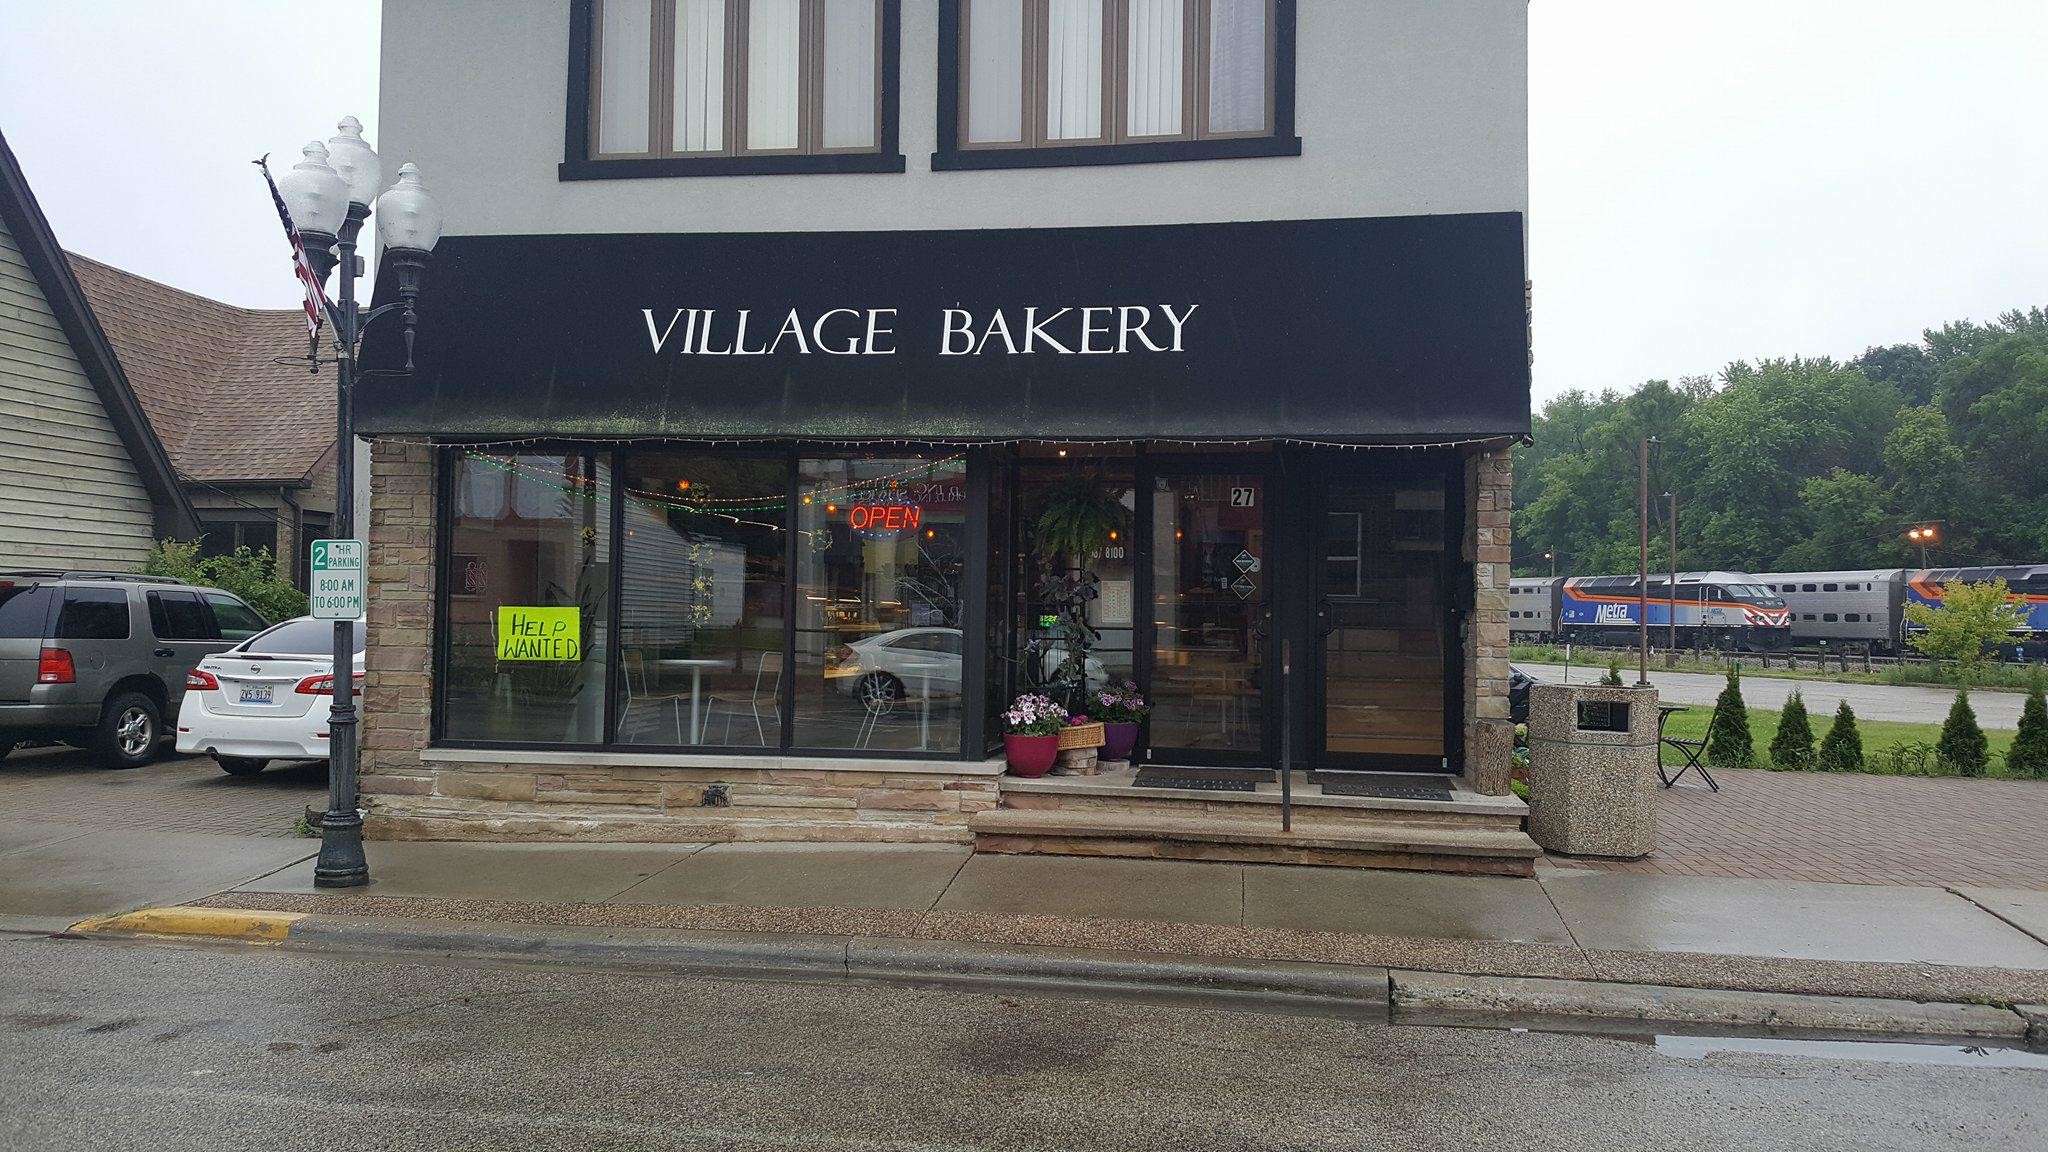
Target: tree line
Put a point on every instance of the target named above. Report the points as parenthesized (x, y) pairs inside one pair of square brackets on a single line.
[(1804, 464)]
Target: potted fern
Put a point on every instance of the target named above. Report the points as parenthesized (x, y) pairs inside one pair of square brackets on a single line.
[(1080, 515)]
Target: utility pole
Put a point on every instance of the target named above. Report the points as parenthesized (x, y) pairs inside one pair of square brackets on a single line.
[(1643, 586), (1552, 557), (1671, 644)]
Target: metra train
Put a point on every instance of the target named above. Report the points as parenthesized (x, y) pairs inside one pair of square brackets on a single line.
[(1861, 611)]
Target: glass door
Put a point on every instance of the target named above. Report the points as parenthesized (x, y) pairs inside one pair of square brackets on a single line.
[(1209, 576), (1383, 625)]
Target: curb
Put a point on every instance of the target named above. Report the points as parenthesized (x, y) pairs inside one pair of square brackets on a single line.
[(1493, 1001), (1364, 993), (231, 923)]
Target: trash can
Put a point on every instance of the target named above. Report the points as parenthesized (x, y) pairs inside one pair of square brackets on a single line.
[(1593, 769)]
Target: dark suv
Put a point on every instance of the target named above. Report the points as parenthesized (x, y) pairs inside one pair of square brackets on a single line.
[(98, 659)]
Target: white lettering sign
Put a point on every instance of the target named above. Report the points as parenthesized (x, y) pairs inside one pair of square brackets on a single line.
[(1069, 330)]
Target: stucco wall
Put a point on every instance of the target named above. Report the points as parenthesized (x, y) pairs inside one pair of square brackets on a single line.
[(1404, 107)]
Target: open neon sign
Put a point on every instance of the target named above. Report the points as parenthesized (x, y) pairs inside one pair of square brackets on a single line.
[(879, 518)]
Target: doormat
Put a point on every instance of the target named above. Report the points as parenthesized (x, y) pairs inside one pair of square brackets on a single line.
[(1381, 786), (1202, 779)]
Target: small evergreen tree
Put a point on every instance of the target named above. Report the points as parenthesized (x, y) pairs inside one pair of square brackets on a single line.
[(1729, 744), (1792, 747), (1841, 750), (1613, 677), (2029, 754), (1962, 748)]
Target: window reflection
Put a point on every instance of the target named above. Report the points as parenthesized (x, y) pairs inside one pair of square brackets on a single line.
[(879, 562), (701, 600), (530, 531)]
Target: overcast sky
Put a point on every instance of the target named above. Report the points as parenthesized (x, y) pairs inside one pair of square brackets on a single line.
[(1739, 179)]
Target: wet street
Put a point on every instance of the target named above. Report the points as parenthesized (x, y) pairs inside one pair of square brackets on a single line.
[(108, 1045)]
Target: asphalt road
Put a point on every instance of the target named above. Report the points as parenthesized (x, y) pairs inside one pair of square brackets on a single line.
[(108, 1046), (1870, 701)]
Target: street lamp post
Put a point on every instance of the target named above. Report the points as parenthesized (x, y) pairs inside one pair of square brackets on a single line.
[(1925, 536), (1643, 588), (330, 195), (1552, 557), (1671, 611)]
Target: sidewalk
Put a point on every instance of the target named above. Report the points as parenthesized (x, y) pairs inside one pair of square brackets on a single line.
[(1759, 935)]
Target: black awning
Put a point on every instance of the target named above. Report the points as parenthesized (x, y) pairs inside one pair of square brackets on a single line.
[(1385, 330)]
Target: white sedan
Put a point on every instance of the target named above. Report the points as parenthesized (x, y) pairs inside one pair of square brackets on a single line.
[(266, 698)]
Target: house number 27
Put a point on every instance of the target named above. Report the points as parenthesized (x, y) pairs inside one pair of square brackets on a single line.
[(1243, 497)]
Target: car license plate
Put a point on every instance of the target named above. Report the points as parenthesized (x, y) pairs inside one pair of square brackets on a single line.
[(258, 694)]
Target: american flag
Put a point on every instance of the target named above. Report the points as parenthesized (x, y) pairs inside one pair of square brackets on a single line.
[(316, 296)]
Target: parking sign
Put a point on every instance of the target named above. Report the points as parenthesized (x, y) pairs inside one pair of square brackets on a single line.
[(337, 592)]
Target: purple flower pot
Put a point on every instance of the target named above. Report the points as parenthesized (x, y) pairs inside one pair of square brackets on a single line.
[(1030, 755), (1118, 738)]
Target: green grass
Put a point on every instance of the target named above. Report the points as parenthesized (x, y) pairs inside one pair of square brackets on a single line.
[(1879, 736)]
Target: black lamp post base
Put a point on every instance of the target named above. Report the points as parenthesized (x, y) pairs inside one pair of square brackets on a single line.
[(341, 863)]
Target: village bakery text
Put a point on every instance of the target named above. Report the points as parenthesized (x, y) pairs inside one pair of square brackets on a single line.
[(1092, 330)]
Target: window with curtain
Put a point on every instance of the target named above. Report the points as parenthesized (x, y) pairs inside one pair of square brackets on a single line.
[(1056, 73), (682, 78)]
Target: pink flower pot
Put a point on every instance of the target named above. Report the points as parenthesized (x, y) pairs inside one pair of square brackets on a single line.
[(1118, 738), (1030, 755)]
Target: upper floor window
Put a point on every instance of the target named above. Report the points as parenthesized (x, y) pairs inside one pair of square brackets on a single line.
[(707, 87), (1121, 76)]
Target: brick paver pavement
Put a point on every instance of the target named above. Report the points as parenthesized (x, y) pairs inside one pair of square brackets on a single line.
[(1851, 829), (175, 794)]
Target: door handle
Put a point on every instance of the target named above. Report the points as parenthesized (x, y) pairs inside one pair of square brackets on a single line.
[(166, 653)]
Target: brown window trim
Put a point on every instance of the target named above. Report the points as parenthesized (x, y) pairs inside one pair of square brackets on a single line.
[(1195, 142), (580, 129)]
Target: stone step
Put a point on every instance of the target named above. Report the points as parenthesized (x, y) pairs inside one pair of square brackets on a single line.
[(1115, 792), (1178, 836)]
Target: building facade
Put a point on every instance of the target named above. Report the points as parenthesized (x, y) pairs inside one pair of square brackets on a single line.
[(766, 333), (85, 483)]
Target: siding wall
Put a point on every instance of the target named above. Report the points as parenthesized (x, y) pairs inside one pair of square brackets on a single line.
[(69, 493)]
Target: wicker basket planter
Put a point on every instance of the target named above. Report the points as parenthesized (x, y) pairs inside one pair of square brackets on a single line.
[(1081, 736)]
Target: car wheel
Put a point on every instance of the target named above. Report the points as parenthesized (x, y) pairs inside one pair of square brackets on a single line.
[(880, 692), (241, 765), (129, 731)]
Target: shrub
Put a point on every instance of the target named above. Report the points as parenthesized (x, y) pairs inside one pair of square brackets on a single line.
[(2029, 753), (1792, 747), (1613, 677), (1841, 750), (1962, 748), (1728, 741), (250, 574)]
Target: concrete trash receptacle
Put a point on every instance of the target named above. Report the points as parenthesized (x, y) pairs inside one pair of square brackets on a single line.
[(1593, 769)]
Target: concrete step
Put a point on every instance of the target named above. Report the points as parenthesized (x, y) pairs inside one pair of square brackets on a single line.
[(1347, 843)]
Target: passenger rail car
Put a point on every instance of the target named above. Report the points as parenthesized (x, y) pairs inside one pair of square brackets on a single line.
[(1854, 611)]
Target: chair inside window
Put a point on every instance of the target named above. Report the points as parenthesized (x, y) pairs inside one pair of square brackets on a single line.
[(764, 700)]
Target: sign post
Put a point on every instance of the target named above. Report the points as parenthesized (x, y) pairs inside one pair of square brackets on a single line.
[(337, 584)]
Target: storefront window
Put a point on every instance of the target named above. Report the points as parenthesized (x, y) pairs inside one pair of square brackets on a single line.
[(701, 619), (1111, 612), (879, 567), (528, 583)]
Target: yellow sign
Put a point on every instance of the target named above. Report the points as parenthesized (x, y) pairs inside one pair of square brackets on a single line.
[(550, 634)]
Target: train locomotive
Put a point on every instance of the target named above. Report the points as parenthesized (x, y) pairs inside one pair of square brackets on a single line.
[(1713, 610), (1849, 611)]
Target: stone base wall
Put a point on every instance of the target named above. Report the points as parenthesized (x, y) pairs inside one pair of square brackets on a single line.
[(413, 793), (529, 801), (1489, 548)]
